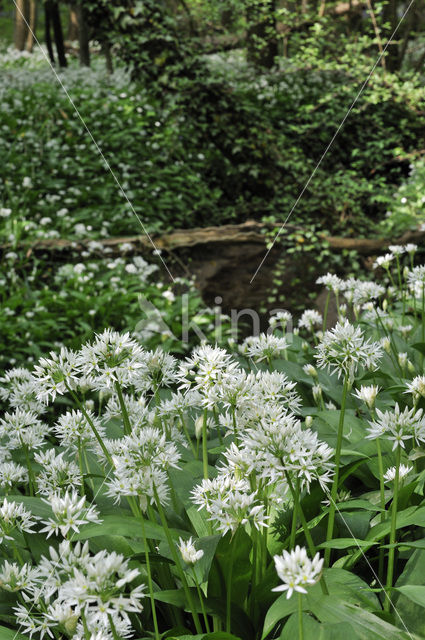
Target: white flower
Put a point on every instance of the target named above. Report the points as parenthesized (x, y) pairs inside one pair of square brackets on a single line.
[(398, 426), (309, 319), (17, 578), (69, 512), (264, 347), (416, 387), (383, 261), (14, 516), (344, 349), (331, 282), (396, 249), (55, 375), (297, 571), (112, 358), (367, 395), (280, 319), (188, 551), (404, 470)]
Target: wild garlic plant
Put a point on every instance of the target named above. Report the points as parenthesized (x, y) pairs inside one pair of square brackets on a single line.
[(140, 493)]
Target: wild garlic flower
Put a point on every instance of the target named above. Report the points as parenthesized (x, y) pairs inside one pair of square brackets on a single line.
[(280, 446), (31, 621), (310, 370), (18, 578), (383, 261), (14, 516), (411, 248), (55, 375), (280, 320), (310, 319), (397, 249), (230, 503), (297, 571), (207, 367), (112, 358), (100, 587), (179, 403), (12, 473), (23, 428), (275, 386), (11, 379), (398, 426), (416, 387), (359, 292), (403, 471), (69, 512), (188, 551), (344, 349), (367, 395), (57, 474), (264, 347), (73, 429), (331, 282), (161, 368)]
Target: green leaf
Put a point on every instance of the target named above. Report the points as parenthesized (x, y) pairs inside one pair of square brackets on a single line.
[(416, 593), (10, 634), (345, 543), (368, 626)]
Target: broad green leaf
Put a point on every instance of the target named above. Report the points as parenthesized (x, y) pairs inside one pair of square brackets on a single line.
[(345, 543), (368, 626), (416, 593), (10, 634)]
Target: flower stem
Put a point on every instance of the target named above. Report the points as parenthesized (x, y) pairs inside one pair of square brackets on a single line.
[(229, 585), (125, 418), (177, 562), (300, 617), (334, 489), (150, 586), (296, 497), (92, 426), (204, 445), (391, 553), (325, 313), (201, 600), (115, 634), (382, 495)]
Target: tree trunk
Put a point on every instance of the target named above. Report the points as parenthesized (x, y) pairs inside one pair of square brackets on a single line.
[(83, 37), (22, 17), (48, 37), (106, 50), (72, 34), (58, 33), (262, 46), (29, 42)]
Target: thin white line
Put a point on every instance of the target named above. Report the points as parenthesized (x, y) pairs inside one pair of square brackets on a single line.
[(332, 140), (99, 150), (369, 565)]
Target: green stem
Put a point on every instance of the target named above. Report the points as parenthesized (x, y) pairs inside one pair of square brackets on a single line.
[(204, 445), (31, 477), (177, 562), (325, 313), (201, 600), (334, 489), (296, 498), (87, 633), (92, 426), (382, 495), (125, 418), (80, 465), (393, 531), (150, 585), (115, 634), (300, 617), (187, 434), (229, 585)]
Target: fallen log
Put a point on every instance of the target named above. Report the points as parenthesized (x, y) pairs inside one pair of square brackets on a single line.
[(251, 232)]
